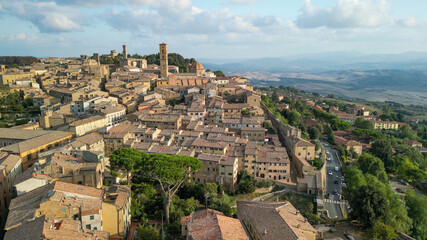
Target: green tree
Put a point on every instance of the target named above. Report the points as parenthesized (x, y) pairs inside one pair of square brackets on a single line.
[(270, 129), (363, 124), (293, 117), (354, 179), (148, 233), (169, 172), (417, 211), (219, 73), (382, 149), (245, 112), (313, 132), (372, 165), (407, 132), (128, 160), (415, 175), (245, 182), (381, 231), (368, 205), (331, 136)]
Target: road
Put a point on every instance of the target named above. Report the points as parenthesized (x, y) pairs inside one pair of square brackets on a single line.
[(333, 203)]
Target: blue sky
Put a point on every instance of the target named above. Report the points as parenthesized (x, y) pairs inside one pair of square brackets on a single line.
[(221, 29)]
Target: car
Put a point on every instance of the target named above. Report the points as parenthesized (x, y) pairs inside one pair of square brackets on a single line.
[(336, 182), (343, 184), (328, 158), (337, 169), (330, 172), (400, 190), (335, 192), (403, 182), (348, 236), (342, 178), (327, 151), (328, 196)]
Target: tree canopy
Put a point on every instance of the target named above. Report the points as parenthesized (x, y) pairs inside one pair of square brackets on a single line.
[(369, 205), (372, 165), (128, 160), (169, 172)]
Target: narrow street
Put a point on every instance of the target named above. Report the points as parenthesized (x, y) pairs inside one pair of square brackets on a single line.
[(333, 182)]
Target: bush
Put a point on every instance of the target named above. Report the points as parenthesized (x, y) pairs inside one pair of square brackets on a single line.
[(148, 233), (263, 184)]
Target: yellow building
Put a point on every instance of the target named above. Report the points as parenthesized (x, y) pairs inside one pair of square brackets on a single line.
[(256, 134), (386, 125), (205, 146), (28, 149), (116, 211), (303, 149), (217, 169), (11, 77), (86, 125)]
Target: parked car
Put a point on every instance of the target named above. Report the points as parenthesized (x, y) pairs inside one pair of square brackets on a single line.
[(400, 190), (348, 236), (328, 196), (337, 169), (328, 158), (330, 172), (336, 182), (327, 151), (335, 192)]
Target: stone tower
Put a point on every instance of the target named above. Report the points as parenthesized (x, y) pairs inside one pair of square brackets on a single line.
[(163, 60), (125, 52)]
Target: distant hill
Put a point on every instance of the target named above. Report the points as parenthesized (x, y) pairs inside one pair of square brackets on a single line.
[(321, 62), (404, 86)]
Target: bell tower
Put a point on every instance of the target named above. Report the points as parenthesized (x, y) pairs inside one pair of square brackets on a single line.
[(163, 60)]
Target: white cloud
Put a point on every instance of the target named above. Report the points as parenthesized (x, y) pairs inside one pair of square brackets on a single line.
[(346, 14), (49, 17), (190, 20), (242, 2), (406, 22)]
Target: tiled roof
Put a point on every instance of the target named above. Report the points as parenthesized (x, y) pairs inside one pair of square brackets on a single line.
[(36, 142), (23, 134), (211, 224), (274, 220), (86, 120), (90, 138), (9, 161)]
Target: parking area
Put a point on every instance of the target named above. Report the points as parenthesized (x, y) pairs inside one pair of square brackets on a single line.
[(395, 184)]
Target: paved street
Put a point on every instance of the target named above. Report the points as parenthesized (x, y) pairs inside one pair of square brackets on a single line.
[(332, 204)]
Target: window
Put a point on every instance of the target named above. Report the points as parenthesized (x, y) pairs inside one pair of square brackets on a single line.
[(88, 226), (95, 228), (92, 217)]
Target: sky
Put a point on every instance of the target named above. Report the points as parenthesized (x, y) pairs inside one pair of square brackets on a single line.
[(211, 29)]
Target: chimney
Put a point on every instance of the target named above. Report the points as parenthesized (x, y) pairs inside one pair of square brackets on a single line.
[(265, 231), (296, 213)]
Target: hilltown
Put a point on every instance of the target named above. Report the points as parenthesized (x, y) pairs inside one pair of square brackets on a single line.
[(56, 178)]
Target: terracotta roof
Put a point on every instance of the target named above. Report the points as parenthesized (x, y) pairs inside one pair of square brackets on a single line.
[(274, 220), (211, 224)]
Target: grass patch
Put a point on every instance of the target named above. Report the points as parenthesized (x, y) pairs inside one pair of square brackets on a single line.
[(300, 202)]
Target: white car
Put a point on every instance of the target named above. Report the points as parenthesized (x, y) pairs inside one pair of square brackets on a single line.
[(328, 158), (330, 172), (327, 151)]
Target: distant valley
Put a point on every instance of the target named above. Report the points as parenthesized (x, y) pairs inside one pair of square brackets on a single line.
[(389, 77)]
